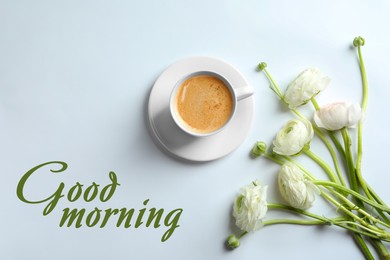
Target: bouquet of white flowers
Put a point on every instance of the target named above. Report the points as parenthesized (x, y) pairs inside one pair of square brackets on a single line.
[(360, 210)]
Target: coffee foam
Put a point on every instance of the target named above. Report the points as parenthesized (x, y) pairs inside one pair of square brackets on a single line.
[(204, 103)]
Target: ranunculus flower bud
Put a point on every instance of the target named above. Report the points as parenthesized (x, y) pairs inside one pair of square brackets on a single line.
[(293, 137), (338, 115), (305, 86), (258, 149), (295, 188), (250, 207), (232, 242)]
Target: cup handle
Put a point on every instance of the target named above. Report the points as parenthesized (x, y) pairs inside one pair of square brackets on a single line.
[(243, 92)]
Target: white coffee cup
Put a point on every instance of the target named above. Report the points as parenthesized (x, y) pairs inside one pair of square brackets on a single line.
[(217, 82)]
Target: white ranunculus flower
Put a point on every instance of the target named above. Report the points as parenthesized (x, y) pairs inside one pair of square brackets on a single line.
[(305, 86), (295, 188), (293, 137), (250, 207), (338, 115)]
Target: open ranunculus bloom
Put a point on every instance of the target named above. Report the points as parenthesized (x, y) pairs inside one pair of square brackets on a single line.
[(250, 207), (336, 116), (293, 137), (295, 188), (305, 86)]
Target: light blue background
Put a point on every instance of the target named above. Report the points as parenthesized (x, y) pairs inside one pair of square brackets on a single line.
[(74, 82)]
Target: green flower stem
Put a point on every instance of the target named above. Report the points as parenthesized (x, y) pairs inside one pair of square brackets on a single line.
[(320, 220), (375, 196), (293, 221), (327, 221), (288, 221), (298, 114), (379, 201), (361, 229), (332, 154), (360, 126), (383, 216), (242, 234), (349, 160), (357, 232), (322, 164), (363, 246), (344, 209), (273, 158), (355, 176), (353, 193), (315, 104), (274, 87), (363, 184), (359, 163), (339, 221), (348, 212), (364, 76), (337, 143), (384, 254), (360, 210), (298, 211)]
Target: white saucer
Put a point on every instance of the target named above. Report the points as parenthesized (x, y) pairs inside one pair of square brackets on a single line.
[(172, 139)]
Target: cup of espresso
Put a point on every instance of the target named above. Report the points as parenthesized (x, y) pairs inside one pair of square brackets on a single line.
[(203, 103)]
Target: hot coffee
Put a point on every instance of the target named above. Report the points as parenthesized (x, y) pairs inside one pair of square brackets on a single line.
[(204, 103)]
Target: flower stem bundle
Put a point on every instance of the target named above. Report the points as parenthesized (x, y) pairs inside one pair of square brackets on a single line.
[(360, 210)]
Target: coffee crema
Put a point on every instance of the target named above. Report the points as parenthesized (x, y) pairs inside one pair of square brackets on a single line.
[(204, 103)]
